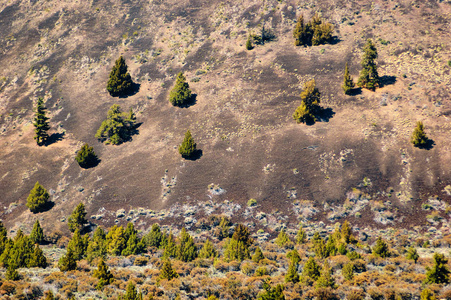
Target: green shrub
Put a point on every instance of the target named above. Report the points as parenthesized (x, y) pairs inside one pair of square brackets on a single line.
[(118, 127), (188, 147), (419, 138), (86, 156), (38, 198), (180, 94), (310, 99)]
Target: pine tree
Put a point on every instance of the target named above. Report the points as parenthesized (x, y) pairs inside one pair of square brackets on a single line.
[(271, 293), (369, 78), (412, 254), (38, 260), (283, 240), (311, 269), (118, 126), (188, 146), (348, 83), (258, 255), (187, 250), (170, 249), (97, 246), (154, 237), (41, 123), (292, 273), (120, 82), (116, 240), (310, 99), (381, 248), (68, 261), (180, 95), (78, 246), (326, 280), (301, 236), (439, 273), (86, 156), (37, 234), (208, 250), (167, 272), (77, 219), (103, 274), (419, 138), (38, 198), (131, 293)]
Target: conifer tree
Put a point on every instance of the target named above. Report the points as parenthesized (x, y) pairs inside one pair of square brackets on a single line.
[(419, 137), (180, 94), (41, 123), (249, 44), (116, 240), (271, 293), (170, 249), (38, 260), (439, 273), (103, 274), (187, 250), (86, 157), (77, 219), (348, 83), (3, 237), (311, 269), (294, 257), (37, 234), (154, 237), (188, 146), (12, 274), (381, 248), (427, 294), (208, 250), (97, 246), (118, 127), (292, 273), (369, 77), (412, 254), (301, 236), (38, 198), (310, 99), (301, 32), (120, 82), (68, 261), (283, 240), (78, 246), (317, 31), (131, 293), (167, 272), (326, 280), (346, 233), (134, 245), (237, 248), (258, 255)]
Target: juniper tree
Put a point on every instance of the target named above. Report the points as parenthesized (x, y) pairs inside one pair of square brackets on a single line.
[(249, 44), (310, 99), (293, 256), (301, 236), (187, 250), (419, 137), (38, 198), (116, 240), (237, 247), (154, 237), (170, 249), (311, 269), (37, 234), (118, 126), (188, 146), (97, 246), (103, 274), (258, 255), (292, 273), (317, 31), (41, 123), (208, 250), (283, 240), (301, 32), (38, 259), (180, 94), (167, 272), (78, 244), (381, 248), (348, 83), (271, 293), (369, 77), (120, 82), (86, 156), (77, 219)]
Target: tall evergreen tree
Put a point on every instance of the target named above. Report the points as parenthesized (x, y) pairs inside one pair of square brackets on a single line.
[(188, 146), (120, 82), (311, 269), (116, 240), (283, 240), (37, 234), (170, 248), (167, 272), (103, 274), (77, 219), (97, 246), (439, 273), (180, 95), (78, 245), (301, 236), (38, 260), (154, 237), (292, 273), (41, 123), (86, 157), (208, 250), (310, 99), (38, 198), (326, 280), (317, 31), (348, 83), (67, 262), (419, 137), (369, 77), (187, 250)]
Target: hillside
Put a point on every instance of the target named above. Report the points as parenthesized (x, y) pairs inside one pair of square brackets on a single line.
[(356, 164)]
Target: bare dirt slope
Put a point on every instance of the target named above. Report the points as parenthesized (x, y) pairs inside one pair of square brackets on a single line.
[(242, 118)]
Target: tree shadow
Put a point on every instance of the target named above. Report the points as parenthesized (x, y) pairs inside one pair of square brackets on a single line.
[(54, 137), (334, 40), (134, 89), (133, 131), (428, 146), (355, 91), (46, 207), (387, 80), (92, 164), (192, 101), (195, 156), (325, 114)]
